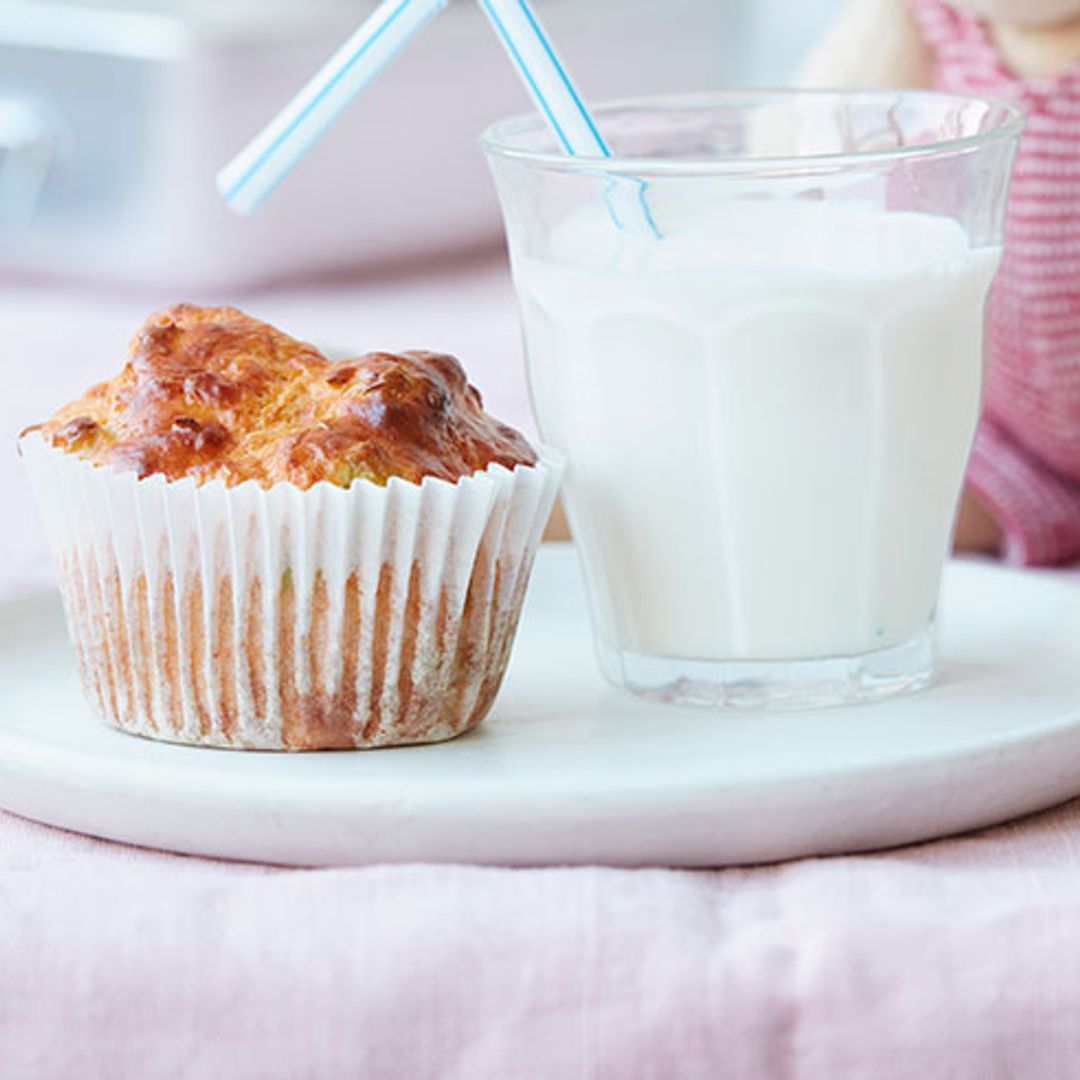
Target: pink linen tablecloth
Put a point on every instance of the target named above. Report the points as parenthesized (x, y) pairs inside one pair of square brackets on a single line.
[(951, 960)]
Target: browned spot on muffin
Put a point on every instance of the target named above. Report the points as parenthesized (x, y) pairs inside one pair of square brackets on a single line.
[(76, 434), (195, 631), (408, 645), (321, 721), (346, 698), (318, 638), (286, 646), (493, 597), (142, 651), (442, 619), (169, 656), (472, 634), (506, 612), (223, 657), (254, 649), (383, 620), (445, 658), (492, 672)]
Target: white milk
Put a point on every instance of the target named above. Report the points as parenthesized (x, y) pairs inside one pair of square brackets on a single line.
[(768, 415)]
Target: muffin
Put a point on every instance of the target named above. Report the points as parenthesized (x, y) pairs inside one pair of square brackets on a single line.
[(260, 548)]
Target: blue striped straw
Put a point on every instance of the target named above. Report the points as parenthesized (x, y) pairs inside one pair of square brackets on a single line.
[(262, 165), (271, 155), (558, 100)]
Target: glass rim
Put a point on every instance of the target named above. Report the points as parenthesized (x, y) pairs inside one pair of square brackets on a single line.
[(497, 139)]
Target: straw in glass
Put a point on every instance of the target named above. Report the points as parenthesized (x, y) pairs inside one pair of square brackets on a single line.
[(555, 95)]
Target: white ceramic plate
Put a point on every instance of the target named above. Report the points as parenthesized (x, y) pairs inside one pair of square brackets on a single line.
[(566, 770)]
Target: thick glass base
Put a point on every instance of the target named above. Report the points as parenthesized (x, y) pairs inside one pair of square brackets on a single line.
[(774, 684)]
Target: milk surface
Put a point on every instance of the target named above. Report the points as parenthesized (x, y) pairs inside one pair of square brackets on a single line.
[(767, 413)]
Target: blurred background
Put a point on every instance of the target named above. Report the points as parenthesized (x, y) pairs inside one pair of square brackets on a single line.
[(115, 116)]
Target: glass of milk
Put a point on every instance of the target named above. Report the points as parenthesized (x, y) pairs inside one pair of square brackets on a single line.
[(756, 331)]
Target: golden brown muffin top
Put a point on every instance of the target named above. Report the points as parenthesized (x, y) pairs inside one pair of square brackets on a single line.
[(211, 393)]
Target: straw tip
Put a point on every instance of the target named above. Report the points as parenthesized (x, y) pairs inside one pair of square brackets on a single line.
[(238, 197)]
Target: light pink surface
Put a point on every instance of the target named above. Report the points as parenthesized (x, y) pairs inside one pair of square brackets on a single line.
[(956, 959), (948, 961)]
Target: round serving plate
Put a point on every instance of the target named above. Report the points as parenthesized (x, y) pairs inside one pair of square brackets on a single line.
[(567, 770)]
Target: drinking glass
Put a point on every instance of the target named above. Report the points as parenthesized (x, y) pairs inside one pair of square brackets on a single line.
[(756, 332)]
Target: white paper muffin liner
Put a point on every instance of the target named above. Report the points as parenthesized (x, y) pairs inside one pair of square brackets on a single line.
[(285, 619)]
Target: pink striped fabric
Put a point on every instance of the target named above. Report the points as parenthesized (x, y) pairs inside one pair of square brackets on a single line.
[(1026, 465)]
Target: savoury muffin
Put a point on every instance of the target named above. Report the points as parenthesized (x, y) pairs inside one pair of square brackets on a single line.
[(261, 548)]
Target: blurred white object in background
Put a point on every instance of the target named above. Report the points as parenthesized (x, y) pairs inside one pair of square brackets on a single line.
[(137, 106), (29, 138), (775, 37)]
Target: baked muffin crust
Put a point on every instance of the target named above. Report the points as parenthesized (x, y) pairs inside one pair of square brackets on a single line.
[(211, 393)]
